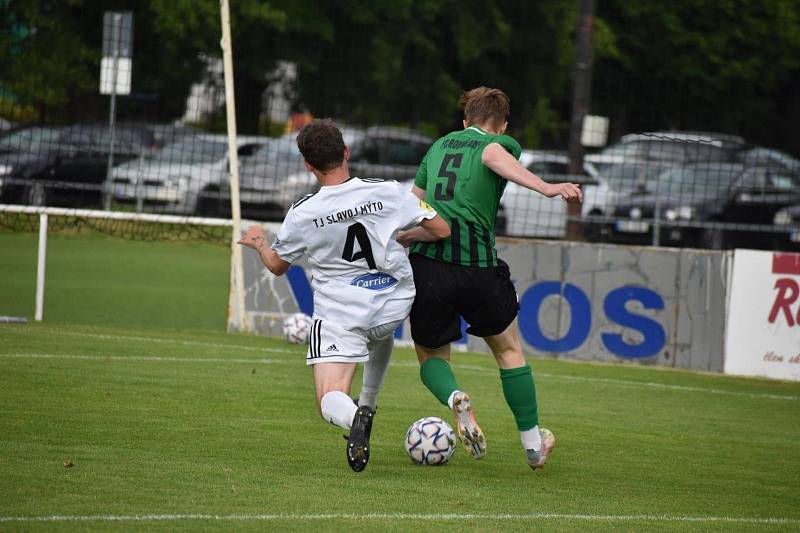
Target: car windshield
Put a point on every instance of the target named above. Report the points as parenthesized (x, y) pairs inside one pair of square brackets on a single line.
[(193, 150), (694, 180), (277, 151), (629, 176)]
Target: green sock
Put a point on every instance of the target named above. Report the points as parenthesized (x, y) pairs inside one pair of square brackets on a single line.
[(437, 375), (520, 393)]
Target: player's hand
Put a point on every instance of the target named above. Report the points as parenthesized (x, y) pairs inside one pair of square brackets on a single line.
[(254, 238), (569, 192)]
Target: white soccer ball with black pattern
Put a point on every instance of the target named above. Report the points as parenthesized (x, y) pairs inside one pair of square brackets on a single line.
[(296, 328), (430, 441)]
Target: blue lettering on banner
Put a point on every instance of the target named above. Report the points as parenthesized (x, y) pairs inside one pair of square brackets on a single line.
[(581, 319), (580, 324), (654, 335), (375, 282)]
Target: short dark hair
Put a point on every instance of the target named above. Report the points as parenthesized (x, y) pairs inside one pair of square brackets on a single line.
[(485, 105), (321, 144)]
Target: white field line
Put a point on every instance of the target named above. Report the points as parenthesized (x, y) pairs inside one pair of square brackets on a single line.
[(153, 358), (666, 386), (299, 517), (163, 341), (405, 364)]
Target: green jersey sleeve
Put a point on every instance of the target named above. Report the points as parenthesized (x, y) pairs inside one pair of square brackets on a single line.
[(510, 144), (421, 179)]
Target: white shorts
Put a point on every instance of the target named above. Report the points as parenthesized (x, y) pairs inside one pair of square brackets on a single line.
[(328, 342)]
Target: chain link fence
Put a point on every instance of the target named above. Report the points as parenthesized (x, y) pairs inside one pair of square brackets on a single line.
[(668, 173)]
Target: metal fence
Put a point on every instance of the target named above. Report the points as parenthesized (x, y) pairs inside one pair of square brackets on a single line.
[(668, 187)]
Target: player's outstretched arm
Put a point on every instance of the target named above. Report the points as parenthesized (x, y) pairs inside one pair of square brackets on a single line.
[(256, 239), (506, 165)]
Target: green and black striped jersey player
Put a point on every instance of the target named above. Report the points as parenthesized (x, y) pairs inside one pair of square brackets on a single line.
[(463, 176), (466, 193)]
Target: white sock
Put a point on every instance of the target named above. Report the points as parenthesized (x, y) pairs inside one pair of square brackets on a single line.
[(450, 398), (531, 439), (375, 371), (338, 408)]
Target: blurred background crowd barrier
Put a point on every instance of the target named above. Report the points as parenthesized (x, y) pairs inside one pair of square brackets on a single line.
[(679, 119)]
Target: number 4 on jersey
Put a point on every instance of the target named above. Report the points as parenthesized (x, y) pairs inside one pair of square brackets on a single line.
[(357, 232)]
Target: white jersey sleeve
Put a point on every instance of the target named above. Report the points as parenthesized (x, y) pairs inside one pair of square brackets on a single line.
[(289, 243), (412, 210)]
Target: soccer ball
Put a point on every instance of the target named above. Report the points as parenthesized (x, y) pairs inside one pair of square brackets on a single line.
[(430, 441), (296, 328)]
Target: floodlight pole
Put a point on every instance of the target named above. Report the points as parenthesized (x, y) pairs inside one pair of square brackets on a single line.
[(236, 296)]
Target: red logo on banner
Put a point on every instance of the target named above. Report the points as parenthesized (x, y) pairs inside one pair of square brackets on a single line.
[(788, 289)]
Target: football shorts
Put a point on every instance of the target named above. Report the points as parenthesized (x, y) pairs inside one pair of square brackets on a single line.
[(328, 342), (484, 296)]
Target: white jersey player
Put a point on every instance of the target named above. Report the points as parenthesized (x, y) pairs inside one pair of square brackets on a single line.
[(362, 280)]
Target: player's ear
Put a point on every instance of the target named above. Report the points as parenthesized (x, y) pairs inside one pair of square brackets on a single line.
[(346, 153), (464, 122), (308, 166), (505, 125)]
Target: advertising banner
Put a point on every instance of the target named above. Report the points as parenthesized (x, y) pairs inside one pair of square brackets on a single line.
[(763, 326), (577, 301)]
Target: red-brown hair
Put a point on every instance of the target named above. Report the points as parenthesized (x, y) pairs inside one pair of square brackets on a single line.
[(484, 105)]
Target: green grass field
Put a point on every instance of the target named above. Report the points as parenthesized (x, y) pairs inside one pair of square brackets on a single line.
[(179, 426)]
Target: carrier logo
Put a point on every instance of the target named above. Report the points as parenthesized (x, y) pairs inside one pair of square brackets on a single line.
[(375, 282)]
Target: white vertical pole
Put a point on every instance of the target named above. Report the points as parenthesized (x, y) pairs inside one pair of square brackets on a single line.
[(237, 272), (40, 267)]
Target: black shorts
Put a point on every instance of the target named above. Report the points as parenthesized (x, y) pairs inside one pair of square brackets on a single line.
[(484, 296)]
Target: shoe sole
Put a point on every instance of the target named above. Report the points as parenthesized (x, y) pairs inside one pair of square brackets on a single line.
[(467, 429), (548, 443), (358, 441)]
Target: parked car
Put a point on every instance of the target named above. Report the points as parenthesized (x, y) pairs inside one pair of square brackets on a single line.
[(377, 152), (669, 146), (689, 202), (265, 193), (67, 166), (388, 153), (172, 179), (768, 156), (526, 213), (614, 184)]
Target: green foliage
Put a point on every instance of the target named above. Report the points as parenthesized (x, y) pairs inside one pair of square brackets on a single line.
[(16, 112), (730, 65)]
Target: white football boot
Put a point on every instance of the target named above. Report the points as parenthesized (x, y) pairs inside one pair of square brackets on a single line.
[(468, 430), (538, 459)]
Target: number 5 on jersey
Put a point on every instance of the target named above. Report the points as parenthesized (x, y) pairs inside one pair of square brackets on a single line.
[(446, 191)]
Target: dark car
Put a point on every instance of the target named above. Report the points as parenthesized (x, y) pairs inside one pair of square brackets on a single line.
[(388, 153), (670, 147), (710, 205), (69, 169), (275, 177)]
